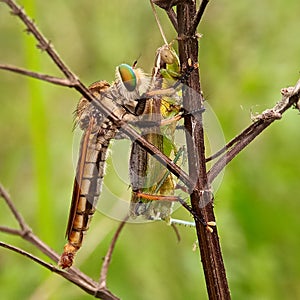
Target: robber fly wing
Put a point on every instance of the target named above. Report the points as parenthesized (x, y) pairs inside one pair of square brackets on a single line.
[(79, 176)]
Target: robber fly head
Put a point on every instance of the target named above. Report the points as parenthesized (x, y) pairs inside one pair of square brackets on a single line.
[(132, 82)]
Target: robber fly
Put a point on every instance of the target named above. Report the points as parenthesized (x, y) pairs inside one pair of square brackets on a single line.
[(122, 99)]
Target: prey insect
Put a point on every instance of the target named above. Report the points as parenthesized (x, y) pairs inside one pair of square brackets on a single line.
[(153, 186)]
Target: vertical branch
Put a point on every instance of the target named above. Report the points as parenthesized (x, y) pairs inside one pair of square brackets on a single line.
[(201, 197)]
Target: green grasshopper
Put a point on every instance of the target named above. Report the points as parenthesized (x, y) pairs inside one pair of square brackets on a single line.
[(153, 186)]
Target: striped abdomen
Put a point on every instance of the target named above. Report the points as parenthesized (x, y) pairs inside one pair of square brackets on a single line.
[(87, 186)]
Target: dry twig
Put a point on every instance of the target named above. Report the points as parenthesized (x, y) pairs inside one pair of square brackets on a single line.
[(73, 275)]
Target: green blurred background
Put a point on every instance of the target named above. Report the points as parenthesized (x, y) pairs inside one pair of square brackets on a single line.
[(249, 51)]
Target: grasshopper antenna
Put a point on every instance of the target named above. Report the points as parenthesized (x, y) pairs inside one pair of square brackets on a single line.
[(158, 23)]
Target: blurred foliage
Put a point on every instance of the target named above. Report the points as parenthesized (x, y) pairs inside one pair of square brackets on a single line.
[(249, 51)]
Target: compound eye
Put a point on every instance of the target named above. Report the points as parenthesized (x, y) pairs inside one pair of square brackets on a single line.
[(128, 77)]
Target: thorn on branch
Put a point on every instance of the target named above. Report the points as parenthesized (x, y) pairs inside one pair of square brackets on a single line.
[(44, 47), (15, 11), (27, 31)]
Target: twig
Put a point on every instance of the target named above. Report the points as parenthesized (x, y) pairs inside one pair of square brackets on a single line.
[(43, 43), (73, 274), (32, 257), (167, 6), (290, 97), (44, 77), (107, 258), (90, 289), (173, 18), (4, 194), (197, 18), (11, 231)]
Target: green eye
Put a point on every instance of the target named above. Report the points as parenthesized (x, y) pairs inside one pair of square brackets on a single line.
[(128, 76)]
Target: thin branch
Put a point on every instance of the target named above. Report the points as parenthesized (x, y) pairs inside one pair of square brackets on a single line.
[(173, 18), (44, 77), (250, 128), (32, 257), (26, 234), (197, 18), (4, 194), (107, 258), (290, 97), (73, 274), (229, 144), (90, 289), (168, 7), (11, 231), (43, 43)]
